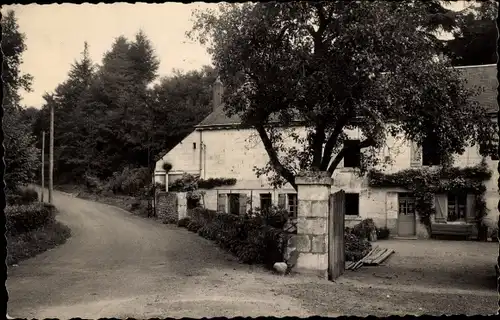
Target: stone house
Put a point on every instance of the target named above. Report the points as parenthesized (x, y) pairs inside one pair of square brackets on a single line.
[(219, 148)]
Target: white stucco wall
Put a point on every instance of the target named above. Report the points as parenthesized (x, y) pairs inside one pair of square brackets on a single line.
[(184, 158), (232, 153)]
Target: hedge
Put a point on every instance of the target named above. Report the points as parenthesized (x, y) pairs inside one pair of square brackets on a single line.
[(249, 238), (22, 196), (24, 218)]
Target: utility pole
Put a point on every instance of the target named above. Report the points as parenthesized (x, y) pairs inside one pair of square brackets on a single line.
[(43, 164), (51, 154)]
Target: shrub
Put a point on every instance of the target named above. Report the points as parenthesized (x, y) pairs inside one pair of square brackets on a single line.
[(364, 229), (131, 182), (355, 247), (383, 233), (23, 218), (211, 183), (183, 223), (167, 166), (248, 237), (190, 182), (274, 216), (186, 183), (170, 220), (92, 183), (22, 196), (194, 226)]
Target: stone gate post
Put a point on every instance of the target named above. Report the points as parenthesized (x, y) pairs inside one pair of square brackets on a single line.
[(313, 193)]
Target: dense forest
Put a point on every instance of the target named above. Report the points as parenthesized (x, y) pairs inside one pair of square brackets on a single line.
[(110, 116)]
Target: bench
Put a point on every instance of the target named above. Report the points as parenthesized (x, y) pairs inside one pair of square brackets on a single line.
[(448, 229)]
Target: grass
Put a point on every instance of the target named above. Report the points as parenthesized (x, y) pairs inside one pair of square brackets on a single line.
[(29, 244), (127, 203)]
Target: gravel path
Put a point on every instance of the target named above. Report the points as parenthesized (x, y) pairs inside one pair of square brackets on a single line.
[(120, 265), (422, 277), (117, 264)]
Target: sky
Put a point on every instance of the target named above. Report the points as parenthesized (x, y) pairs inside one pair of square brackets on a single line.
[(55, 35)]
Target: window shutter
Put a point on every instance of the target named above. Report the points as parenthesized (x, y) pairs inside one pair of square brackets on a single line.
[(471, 208), (415, 154), (243, 204), (440, 203), (282, 200), (221, 203)]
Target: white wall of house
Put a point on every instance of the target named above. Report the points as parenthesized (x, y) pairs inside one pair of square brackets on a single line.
[(232, 153), (184, 158)]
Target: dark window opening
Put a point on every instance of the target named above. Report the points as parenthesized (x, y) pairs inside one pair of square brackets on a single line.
[(457, 206), (352, 157), (406, 204), (233, 200), (265, 201), (292, 204), (430, 152), (352, 204), (193, 203), (194, 145)]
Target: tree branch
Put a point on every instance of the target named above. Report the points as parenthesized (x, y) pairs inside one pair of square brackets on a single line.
[(317, 145), (368, 142), (332, 141), (273, 156), (336, 161)]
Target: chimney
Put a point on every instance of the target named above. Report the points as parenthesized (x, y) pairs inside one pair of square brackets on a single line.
[(218, 90)]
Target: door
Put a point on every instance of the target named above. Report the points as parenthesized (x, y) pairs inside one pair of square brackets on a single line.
[(406, 215), (336, 250), (234, 203)]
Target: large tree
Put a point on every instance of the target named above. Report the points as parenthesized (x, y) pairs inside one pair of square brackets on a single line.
[(475, 35), (335, 66), (182, 100), (72, 137), (21, 155)]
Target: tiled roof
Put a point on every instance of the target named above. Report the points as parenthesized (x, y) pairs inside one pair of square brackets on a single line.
[(484, 76), (219, 118)]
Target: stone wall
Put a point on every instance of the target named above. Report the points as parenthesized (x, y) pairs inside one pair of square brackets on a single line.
[(171, 206)]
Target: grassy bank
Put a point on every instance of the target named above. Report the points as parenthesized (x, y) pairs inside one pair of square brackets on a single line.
[(29, 244), (26, 239), (128, 203)]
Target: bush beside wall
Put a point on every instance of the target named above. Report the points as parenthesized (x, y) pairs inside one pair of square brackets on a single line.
[(249, 238)]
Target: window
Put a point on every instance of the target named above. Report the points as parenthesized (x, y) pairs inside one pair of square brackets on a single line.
[(406, 204), (233, 200), (292, 204), (430, 152), (352, 157), (194, 145), (266, 201), (457, 207), (351, 204)]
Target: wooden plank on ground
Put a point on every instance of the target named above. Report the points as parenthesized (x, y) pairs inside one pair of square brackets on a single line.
[(374, 257), (385, 256), (374, 254)]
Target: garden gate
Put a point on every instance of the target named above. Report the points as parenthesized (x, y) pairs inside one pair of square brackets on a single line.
[(336, 250)]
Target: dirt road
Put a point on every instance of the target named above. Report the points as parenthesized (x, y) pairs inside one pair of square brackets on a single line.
[(119, 265)]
